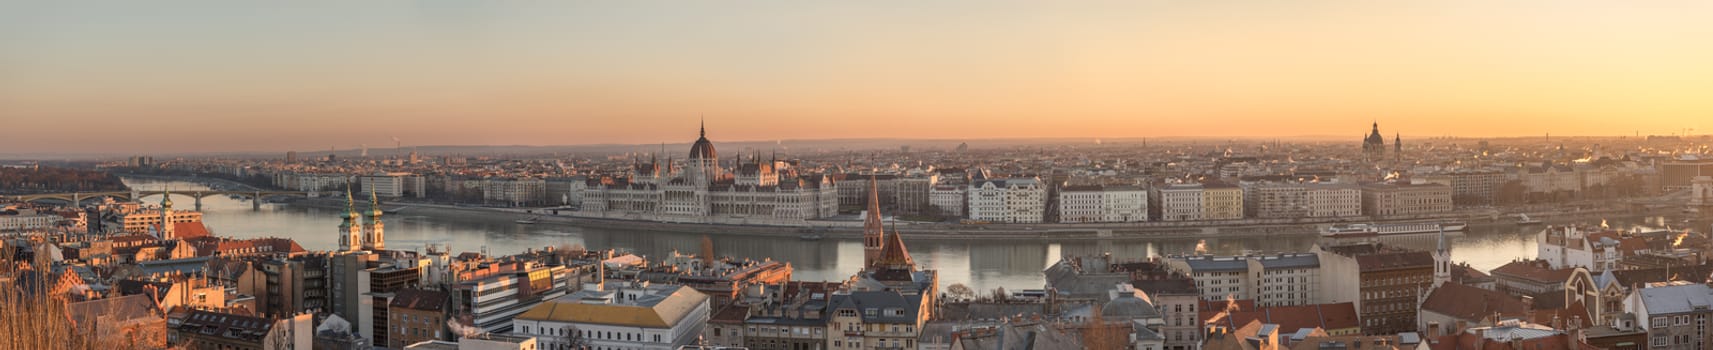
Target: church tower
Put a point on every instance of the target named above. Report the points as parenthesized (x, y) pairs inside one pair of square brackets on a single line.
[(1398, 148), (350, 231), (873, 232), (373, 234), (166, 232), (1441, 261)]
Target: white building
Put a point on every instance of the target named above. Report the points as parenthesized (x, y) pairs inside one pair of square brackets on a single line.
[(1014, 200), (23, 222), (311, 182), (948, 199), (619, 315), (1295, 200), (395, 184), (1103, 204), (1269, 280), (515, 192), (1180, 202)]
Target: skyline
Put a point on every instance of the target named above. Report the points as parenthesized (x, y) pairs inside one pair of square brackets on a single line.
[(233, 78)]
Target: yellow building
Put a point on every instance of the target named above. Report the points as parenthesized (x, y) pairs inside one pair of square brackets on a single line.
[(1221, 201)]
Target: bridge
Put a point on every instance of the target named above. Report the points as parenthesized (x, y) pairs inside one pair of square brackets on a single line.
[(79, 197)]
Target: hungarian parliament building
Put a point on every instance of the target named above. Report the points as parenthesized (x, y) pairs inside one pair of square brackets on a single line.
[(753, 192)]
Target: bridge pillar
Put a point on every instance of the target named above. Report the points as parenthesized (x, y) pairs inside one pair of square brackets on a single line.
[(256, 202), (199, 201), (76, 199)]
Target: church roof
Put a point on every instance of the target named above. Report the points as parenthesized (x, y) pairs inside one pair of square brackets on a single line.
[(893, 253)]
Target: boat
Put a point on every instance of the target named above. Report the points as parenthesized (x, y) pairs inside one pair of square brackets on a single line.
[(529, 221), (1524, 219), (810, 237), (1363, 230)]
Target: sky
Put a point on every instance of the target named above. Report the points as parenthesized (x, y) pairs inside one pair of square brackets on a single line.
[(184, 76)]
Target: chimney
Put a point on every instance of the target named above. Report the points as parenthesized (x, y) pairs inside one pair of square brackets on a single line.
[(1528, 303), (1433, 331)]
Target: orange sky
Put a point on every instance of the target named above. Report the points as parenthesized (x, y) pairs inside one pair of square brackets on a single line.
[(223, 77)]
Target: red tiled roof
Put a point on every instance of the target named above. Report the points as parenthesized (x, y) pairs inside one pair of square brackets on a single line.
[(1470, 303), (1289, 318), (1533, 270)]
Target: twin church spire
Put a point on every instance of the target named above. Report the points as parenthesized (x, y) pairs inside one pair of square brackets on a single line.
[(360, 233)]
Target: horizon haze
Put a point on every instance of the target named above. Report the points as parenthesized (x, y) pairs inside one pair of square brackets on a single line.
[(208, 76)]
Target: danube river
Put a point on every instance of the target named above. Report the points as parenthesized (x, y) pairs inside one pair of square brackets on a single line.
[(983, 265)]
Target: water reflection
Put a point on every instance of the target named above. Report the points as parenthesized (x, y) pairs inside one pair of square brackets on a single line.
[(982, 264)]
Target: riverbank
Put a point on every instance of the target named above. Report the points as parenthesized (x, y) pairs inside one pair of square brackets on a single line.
[(842, 230)]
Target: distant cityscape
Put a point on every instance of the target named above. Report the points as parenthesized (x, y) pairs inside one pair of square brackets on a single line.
[(98, 266)]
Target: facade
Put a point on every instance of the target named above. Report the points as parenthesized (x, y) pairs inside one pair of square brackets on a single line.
[(25, 222), (1014, 200), (1220, 201), (703, 190), (1680, 173), (1596, 250), (1674, 314), (567, 191), (1102, 204), (1269, 280), (1177, 299), (948, 199), (142, 221), (1180, 202), (1470, 187), (618, 315), (1293, 200), (494, 298), (913, 194), (395, 185), (311, 182), (1080, 204), (1387, 286), (515, 192), (414, 316), (1383, 200)]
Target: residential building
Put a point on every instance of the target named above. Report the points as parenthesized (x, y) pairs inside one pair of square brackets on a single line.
[(1594, 249), (1013, 200), (949, 199), (1387, 286), (1180, 201), (1096, 203), (1384, 200), (1294, 200), (416, 315), (1269, 280), (1674, 314), (1176, 298), (1221, 201)]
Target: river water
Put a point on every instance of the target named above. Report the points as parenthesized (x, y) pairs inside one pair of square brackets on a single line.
[(983, 265)]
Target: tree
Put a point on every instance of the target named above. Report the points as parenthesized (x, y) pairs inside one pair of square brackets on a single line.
[(573, 338), (959, 291)]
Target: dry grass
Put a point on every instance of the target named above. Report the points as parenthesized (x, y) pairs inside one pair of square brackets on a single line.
[(33, 320)]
